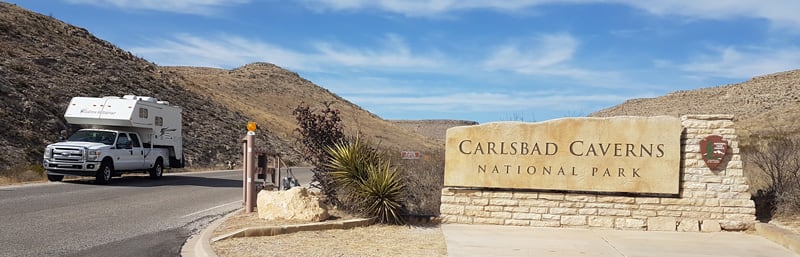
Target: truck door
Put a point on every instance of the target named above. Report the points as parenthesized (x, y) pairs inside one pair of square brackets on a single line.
[(125, 155), (138, 161)]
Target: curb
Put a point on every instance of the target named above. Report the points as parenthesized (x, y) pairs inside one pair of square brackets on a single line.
[(286, 229), (781, 236), (199, 245)]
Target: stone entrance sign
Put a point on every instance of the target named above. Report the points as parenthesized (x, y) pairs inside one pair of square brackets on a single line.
[(619, 154)]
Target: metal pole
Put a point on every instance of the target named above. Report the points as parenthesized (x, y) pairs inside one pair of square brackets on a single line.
[(251, 192), (244, 171)]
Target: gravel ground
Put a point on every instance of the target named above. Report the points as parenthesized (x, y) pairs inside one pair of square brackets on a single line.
[(375, 240)]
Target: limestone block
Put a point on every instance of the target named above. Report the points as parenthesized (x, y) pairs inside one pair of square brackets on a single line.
[(662, 224), (630, 224), (600, 205), (551, 217), (473, 208), (551, 196), (573, 220), (526, 216), (500, 194), (740, 188), (461, 199), (711, 202), (710, 226), (448, 191), (525, 195), (490, 221), (493, 208), (293, 204), (734, 225), (653, 207), (448, 199), (643, 213), (646, 200), (539, 210), (613, 212), (567, 211), (517, 209), (537, 203), (464, 220), (711, 179), (503, 202), (451, 209), (587, 211), (734, 172), (689, 225), (580, 198), (571, 204), (546, 223), (517, 222), (501, 215), (736, 203), (616, 199), (669, 213), (480, 201), (603, 222)]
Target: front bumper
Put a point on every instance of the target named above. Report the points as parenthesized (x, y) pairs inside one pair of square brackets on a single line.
[(86, 168)]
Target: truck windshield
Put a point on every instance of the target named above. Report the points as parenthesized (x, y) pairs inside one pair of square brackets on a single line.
[(105, 137)]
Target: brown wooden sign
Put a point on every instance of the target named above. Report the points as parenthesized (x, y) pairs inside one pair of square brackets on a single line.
[(714, 149)]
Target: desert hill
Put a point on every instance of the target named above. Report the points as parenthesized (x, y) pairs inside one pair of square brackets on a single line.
[(269, 94), (760, 104), (432, 129), (44, 62)]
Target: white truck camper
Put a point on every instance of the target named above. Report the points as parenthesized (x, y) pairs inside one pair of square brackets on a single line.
[(122, 134)]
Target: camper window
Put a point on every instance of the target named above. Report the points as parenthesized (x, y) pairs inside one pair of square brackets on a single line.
[(143, 113), (159, 121)]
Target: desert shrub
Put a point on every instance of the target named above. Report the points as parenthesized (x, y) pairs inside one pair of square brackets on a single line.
[(22, 173), (424, 179), (318, 130), (777, 157), (366, 180)]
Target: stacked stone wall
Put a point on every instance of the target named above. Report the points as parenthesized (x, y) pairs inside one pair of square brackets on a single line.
[(709, 200)]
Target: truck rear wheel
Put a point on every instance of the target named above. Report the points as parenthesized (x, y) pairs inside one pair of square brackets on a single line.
[(55, 178), (104, 174), (158, 169)]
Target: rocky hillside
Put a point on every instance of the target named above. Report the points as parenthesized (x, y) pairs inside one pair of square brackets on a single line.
[(433, 129), (44, 62), (269, 94), (760, 105)]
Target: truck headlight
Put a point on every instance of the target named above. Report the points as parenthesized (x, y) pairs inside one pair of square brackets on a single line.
[(48, 152), (92, 155)]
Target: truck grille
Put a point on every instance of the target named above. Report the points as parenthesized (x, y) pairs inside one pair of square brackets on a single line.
[(65, 154)]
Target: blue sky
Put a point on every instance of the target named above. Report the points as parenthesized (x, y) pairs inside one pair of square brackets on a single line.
[(475, 60)]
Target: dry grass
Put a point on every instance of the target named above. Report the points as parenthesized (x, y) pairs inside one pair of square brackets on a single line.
[(376, 240)]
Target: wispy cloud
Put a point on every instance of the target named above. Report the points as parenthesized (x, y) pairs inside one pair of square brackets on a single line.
[(743, 62), (226, 51), (546, 55), (782, 13), (200, 7), (492, 102)]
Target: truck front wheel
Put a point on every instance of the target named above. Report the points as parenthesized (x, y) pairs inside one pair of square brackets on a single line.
[(158, 169), (104, 174), (55, 178)]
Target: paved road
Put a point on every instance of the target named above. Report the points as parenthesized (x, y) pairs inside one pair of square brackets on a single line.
[(132, 216)]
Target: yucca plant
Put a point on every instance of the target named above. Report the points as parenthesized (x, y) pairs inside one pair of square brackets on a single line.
[(381, 193), (366, 180)]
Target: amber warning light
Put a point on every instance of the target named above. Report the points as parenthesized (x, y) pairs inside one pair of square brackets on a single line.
[(251, 126)]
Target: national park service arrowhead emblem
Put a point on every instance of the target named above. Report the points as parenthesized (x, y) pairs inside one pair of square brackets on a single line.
[(714, 149)]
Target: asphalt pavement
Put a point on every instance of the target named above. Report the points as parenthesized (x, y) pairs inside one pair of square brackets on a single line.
[(132, 216)]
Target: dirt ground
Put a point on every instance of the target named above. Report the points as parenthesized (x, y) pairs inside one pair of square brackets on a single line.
[(375, 240)]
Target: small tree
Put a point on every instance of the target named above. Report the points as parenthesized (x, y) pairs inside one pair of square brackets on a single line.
[(318, 130), (777, 156)]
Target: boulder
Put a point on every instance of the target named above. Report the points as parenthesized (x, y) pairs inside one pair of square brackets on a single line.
[(293, 204)]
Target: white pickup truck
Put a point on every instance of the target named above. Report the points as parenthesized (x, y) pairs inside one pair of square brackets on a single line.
[(125, 134)]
